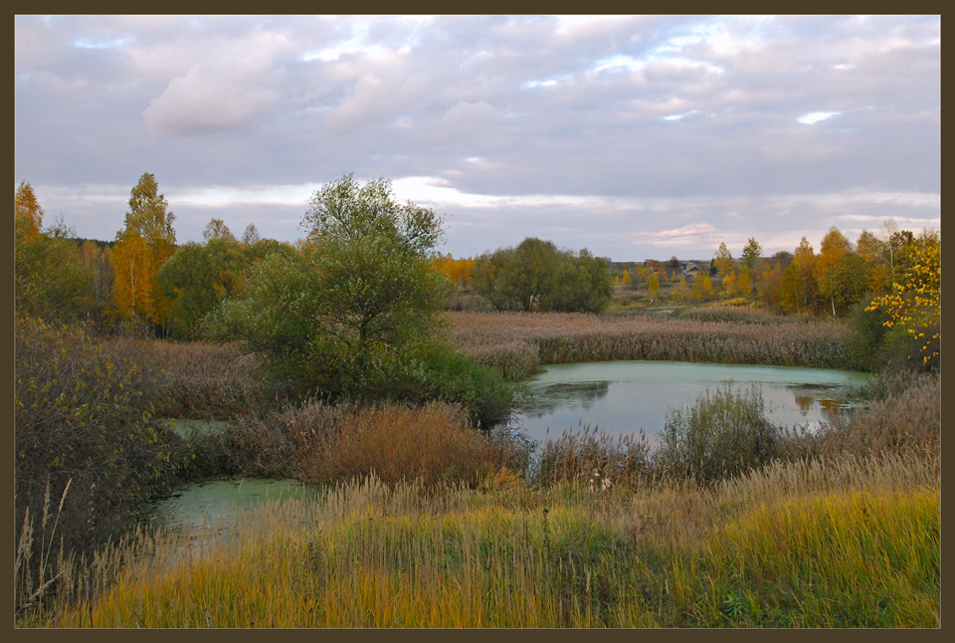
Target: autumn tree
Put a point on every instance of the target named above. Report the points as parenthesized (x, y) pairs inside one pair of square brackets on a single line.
[(832, 250), (914, 302), (50, 278), (142, 246), (726, 268), (653, 284), (798, 288), (217, 229)]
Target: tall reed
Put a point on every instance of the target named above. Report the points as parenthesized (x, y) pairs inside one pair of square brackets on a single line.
[(517, 343)]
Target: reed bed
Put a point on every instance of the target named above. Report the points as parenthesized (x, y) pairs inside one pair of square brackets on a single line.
[(515, 344), (768, 549), (202, 380)]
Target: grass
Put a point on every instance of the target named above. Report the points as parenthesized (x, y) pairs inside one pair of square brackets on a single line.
[(843, 542)]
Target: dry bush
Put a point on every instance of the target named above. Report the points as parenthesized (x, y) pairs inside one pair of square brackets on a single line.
[(321, 443), (907, 417), (206, 380), (433, 445)]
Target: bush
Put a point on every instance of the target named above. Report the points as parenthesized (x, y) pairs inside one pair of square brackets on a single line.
[(320, 443), (84, 420), (721, 435), (904, 414)]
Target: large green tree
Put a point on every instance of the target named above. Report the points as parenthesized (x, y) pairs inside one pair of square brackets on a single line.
[(347, 314), (536, 275)]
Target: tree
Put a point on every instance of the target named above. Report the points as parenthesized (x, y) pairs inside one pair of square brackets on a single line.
[(726, 268), (834, 247), (798, 288), (347, 314), (50, 278), (914, 303), (581, 283), (653, 283), (142, 247), (752, 255), (537, 276), (28, 214), (198, 277), (251, 235), (217, 229)]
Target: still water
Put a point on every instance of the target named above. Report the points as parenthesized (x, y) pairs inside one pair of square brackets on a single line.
[(202, 505), (621, 397)]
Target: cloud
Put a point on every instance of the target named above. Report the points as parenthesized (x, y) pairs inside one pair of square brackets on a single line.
[(461, 121), (586, 129), (204, 102)]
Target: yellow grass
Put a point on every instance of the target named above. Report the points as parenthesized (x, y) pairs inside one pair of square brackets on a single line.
[(853, 541)]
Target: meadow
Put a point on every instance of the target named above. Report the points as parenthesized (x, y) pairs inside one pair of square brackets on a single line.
[(422, 521)]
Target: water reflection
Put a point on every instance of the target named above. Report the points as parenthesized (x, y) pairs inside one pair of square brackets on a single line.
[(581, 394), (623, 397)]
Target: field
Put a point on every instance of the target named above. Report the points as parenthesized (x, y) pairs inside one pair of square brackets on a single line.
[(421, 521)]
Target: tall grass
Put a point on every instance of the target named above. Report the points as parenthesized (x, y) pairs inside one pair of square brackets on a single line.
[(747, 552), (515, 344)]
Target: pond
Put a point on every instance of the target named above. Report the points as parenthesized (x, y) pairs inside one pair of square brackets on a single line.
[(201, 505), (623, 396)]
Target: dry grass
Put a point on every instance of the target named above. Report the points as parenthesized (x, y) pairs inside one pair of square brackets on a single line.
[(515, 344), (762, 550)]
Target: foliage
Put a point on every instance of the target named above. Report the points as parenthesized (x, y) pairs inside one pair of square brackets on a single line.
[(537, 276), (724, 434), (142, 246), (914, 303), (84, 420), (197, 278), (349, 315), (51, 280), (752, 254)]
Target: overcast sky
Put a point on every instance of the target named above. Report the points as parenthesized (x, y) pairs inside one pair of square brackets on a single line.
[(636, 137)]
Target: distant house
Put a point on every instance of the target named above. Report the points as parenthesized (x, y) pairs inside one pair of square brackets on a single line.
[(691, 268)]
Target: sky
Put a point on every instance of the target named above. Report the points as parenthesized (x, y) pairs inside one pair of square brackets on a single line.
[(634, 137)]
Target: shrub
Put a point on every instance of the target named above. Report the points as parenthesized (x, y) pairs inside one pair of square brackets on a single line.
[(724, 433), (904, 415), (433, 445), (84, 420), (321, 443)]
